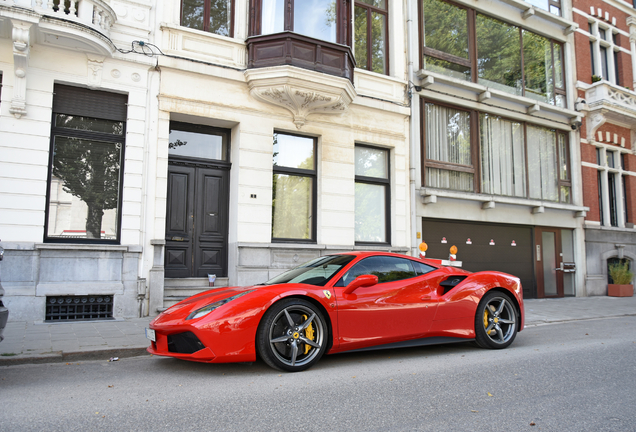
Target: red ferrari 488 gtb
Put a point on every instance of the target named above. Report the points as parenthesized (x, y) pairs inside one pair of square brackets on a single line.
[(351, 301)]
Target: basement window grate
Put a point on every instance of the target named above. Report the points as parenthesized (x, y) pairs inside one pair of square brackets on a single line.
[(79, 308)]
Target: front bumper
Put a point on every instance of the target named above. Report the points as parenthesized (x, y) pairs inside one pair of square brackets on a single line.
[(180, 344)]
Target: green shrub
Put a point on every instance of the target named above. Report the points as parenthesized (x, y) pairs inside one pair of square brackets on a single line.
[(620, 273)]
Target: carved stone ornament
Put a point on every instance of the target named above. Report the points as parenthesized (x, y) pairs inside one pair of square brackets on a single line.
[(95, 68), (20, 36), (594, 122), (301, 92)]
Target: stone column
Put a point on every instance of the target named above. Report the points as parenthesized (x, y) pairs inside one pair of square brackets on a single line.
[(156, 277), (631, 22)]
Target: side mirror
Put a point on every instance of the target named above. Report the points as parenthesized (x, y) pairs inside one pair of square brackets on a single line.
[(361, 281)]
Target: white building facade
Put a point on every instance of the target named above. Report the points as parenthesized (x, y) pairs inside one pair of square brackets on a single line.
[(147, 145)]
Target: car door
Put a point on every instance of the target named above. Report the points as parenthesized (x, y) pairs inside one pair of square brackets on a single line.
[(400, 307)]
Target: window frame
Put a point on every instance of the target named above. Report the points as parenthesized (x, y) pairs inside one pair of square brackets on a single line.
[(475, 131), (97, 136), (206, 18), (473, 54), (378, 181), (343, 20), (299, 172), (368, 10)]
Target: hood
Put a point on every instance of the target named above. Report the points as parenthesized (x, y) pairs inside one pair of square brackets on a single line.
[(184, 307)]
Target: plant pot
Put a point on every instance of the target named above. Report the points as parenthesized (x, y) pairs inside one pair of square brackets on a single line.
[(616, 290)]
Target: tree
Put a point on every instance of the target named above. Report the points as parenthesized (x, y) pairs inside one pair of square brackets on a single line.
[(90, 171)]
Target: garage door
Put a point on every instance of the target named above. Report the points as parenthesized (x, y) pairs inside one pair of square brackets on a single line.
[(506, 248)]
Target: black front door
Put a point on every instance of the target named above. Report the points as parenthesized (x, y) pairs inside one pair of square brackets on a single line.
[(196, 221)]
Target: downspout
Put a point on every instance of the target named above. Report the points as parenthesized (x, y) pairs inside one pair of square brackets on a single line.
[(412, 130)]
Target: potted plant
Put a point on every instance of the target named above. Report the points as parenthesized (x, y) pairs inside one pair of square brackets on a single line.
[(622, 277)]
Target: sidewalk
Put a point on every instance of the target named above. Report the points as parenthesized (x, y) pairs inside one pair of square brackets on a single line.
[(26, 342)]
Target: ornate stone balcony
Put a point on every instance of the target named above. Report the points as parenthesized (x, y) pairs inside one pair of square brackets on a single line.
[(607, 101)]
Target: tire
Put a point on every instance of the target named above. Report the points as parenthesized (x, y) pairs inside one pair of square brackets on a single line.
[(292, 335), (495, 321)]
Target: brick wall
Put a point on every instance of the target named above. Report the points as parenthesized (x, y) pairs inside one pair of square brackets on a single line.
[(590, 193)]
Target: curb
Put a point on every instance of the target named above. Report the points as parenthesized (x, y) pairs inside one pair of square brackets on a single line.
[(61, 357)]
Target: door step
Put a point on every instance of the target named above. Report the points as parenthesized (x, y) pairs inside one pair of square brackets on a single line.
[(177, 289)]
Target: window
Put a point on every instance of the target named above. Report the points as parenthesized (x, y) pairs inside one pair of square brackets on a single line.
[(497, 59), (86, 166), (372, 195), (319, 19), (448, 151), (214, 16), (198, 141), (612, 178), (500, 149), (386, 268), (604, 53), (551, 6), (294, 188), (371, 35)]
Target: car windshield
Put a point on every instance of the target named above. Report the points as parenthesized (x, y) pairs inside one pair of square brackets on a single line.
[(315, 272)]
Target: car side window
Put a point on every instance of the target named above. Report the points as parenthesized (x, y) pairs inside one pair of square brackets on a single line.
[(386, 268), (421, 268)]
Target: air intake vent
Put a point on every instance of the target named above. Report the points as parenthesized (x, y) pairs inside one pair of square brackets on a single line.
[(79, 308)]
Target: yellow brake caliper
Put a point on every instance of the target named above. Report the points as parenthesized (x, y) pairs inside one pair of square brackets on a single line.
[(486, 321), (309, 333)]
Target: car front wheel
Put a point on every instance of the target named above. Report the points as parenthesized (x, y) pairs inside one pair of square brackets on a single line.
[(495, 321), (292, 336)]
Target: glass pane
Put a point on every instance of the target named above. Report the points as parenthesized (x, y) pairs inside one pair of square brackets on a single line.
[(292, 207), (604, 69), (549, 264), (370, 220), (542, 165), (381, 4), (378, 42), (558, 66), (220, 14), (537, 58), (563, 158), (272, 16), (499, 55), (453, 70), (315, 272), (447, 135), (361, 37), (316, 18), (565, 194), (196, 144), (445, 28), (192, 13), (555, 10), (293, 151), (560, 101), (609, 155), (89, 124), (445, 179), (503, 170), (372, 162), (84, 190), (387, 269)]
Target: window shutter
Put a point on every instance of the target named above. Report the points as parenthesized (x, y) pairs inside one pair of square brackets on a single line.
[(89, 103)]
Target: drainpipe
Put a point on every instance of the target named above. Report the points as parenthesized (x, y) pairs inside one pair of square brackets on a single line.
[(412, 124)]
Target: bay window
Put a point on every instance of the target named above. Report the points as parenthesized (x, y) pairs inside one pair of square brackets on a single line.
[(504, 57), (294, 188)]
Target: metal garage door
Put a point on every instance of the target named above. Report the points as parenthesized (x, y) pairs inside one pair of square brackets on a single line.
[(506, 248)]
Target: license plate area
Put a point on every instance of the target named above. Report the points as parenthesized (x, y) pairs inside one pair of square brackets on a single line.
[(150, 334)]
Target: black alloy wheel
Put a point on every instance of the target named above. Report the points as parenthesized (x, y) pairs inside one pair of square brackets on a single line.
[(292, 335), (495, 321)]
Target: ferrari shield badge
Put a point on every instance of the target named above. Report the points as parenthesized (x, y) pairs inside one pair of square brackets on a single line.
[(327, 294)]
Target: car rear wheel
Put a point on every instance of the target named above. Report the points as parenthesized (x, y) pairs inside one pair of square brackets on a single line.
[(292, 335), (495, 321)]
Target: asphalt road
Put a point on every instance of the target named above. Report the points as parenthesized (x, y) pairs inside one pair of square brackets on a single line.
[(577, 376)]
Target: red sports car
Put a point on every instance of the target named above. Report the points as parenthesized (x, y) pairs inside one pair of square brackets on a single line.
[(352, 301)]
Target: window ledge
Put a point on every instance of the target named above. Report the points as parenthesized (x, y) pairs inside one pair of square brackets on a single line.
[(429, 80), (429, 196), (335, 248), (527, 10), (88, 247)]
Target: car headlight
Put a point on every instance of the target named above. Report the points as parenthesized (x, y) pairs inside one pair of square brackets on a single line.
[(209, 308)]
